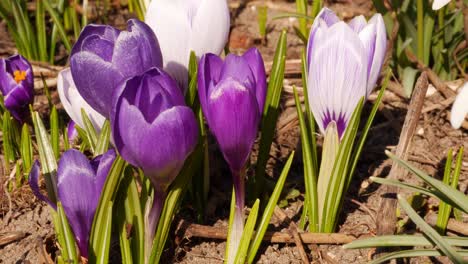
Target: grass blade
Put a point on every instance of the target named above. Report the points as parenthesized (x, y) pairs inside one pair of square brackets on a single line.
[(402, 241), (54, 132), (269, 209), (68, 238), (430, 232), (247, 234)]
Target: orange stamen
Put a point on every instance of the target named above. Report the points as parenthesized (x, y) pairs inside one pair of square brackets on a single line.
[(19, 76)]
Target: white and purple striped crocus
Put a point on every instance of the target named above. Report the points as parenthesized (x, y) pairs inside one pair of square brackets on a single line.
[(103, 57), (232, 96), (183, 26), (154, 130), (79, 185), (73, 103), (344, 63), (17, 85)]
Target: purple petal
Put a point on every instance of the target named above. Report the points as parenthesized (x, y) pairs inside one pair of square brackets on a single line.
[(136, 50), (376, 50), (358, 23), (95, 80), (105, 32), (209, 69), (17, 102), (72, 133), (338, 84), (160, 148), (238, 68), (255, 61), (33, 180), (325, 19), (234, 120), (79, 187)]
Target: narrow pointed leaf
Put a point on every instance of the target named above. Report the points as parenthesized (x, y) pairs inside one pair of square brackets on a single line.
[(247, 234)]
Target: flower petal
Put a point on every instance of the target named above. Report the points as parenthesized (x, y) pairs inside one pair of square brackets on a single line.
[(210, 27), (339, 80), (170, 22), (374, 38), (95, 80), (438, 4), (238, 68), (136, 50), (209, 69), (358, 23), (17, 102), (105, 32), (255, 61), (460, 107), (326, 18), (33, 181), (79, 185), (234, 121), (73, 102)]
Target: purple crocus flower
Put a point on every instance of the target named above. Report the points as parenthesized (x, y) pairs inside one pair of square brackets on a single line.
[(153, 130), (232, 96), (17, 85), (344, 63), (104, 56), (79, 186)]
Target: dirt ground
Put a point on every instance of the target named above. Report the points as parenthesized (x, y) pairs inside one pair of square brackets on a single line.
[(29, 226)]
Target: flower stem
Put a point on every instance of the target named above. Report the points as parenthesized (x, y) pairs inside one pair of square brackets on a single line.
[(238, 223), (152, 213)]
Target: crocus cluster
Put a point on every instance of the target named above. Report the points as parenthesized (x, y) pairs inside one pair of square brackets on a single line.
[(232, 95), (344, 62), (79, 204), (183, 26), (17, 86)]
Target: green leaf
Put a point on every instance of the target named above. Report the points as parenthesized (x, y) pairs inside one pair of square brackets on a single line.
[(247, 234), (310, 171), (26, 148), (271, 111), (100, 226), (340, 174), (102, 247), (444, 208), (447, 193), (103, 142), (192, 92), (68, 238), (230, 225), (432, 234), (46, 156), (408, 80), (41, 30), (262, 16), (91, 134), (412, 187), (58, 23), (301, 7), (331, 144), (54, 132), (7, 144), (402, 241), (413, 253), (268, 212)]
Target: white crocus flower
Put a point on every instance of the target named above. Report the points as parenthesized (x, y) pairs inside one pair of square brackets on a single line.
[(460, 107), (438, 4), (182, 26), (73, 102)]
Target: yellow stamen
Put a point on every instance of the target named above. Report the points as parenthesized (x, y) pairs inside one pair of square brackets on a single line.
[(19, 76)]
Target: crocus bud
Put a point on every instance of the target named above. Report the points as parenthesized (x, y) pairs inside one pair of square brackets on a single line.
[(73, 102), (79, 186), (153, 130), (183, 26), (232, 96), (103, 57), (17, 85), (344, 63), (438, 4), (151, 126), (460, 107)]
